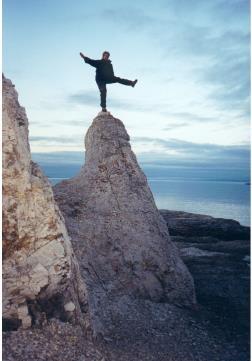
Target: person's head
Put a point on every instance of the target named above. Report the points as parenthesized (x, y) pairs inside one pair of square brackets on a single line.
[(105, 55)]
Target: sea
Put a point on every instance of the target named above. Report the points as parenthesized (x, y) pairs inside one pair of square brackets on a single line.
[(222, 193)]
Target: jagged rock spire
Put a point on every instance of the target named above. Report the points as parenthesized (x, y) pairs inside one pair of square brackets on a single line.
[(121, 238)]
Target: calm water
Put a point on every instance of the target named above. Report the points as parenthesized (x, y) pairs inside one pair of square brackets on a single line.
[(225, 199), (218, 198)]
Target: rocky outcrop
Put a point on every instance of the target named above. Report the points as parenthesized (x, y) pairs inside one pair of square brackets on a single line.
[(41, 277), (191, 224), (149, 331), (120, 237), (217, 253)]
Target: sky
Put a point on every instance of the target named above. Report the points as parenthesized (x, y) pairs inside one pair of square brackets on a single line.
[(191, 104)]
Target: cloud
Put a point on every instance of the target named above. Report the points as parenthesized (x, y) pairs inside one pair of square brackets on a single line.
[(212, 41), (204, 41), (173, 126), (74, 122), (62, 123), (169, 149), (187, 117), (193, 152), (216, 11), (237, 10), (84, 97), (67, 157), (187, 154), (186, 145), (61, 140), (166, 151), (231, 80), (225, 67), (132, 18)]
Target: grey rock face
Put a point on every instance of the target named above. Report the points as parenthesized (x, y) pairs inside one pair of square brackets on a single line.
[(40, 271), (122, 239)]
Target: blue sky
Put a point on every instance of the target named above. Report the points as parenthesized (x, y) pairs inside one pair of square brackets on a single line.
[(191, 57)]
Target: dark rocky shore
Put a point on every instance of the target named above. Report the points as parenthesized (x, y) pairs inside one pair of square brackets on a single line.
[(217, 253)]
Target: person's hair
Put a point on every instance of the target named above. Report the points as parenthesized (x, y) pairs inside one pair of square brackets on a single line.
[(106, 52)]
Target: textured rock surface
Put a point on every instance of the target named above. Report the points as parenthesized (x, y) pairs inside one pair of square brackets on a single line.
[(216, 252), (121, 238), (40, 271)]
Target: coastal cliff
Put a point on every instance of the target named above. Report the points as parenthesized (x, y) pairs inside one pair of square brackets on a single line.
[(41, 277)]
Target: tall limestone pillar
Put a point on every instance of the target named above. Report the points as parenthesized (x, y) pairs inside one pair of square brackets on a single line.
[(121, 240)]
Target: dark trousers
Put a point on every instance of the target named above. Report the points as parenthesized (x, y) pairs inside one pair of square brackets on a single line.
[(103, 89)]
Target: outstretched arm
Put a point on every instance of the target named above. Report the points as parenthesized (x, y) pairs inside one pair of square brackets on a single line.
[(89, 61)]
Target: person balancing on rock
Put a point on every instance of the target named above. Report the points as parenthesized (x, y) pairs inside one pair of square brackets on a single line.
[(105, 75)]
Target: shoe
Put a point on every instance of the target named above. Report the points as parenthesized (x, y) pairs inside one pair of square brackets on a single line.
[(134, 83), (104, 112)]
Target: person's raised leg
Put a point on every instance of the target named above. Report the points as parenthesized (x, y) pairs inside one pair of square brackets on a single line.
[(103, 94), (116, 79)]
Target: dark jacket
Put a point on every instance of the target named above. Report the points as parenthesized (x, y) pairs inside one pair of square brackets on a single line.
[(104, 69)]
